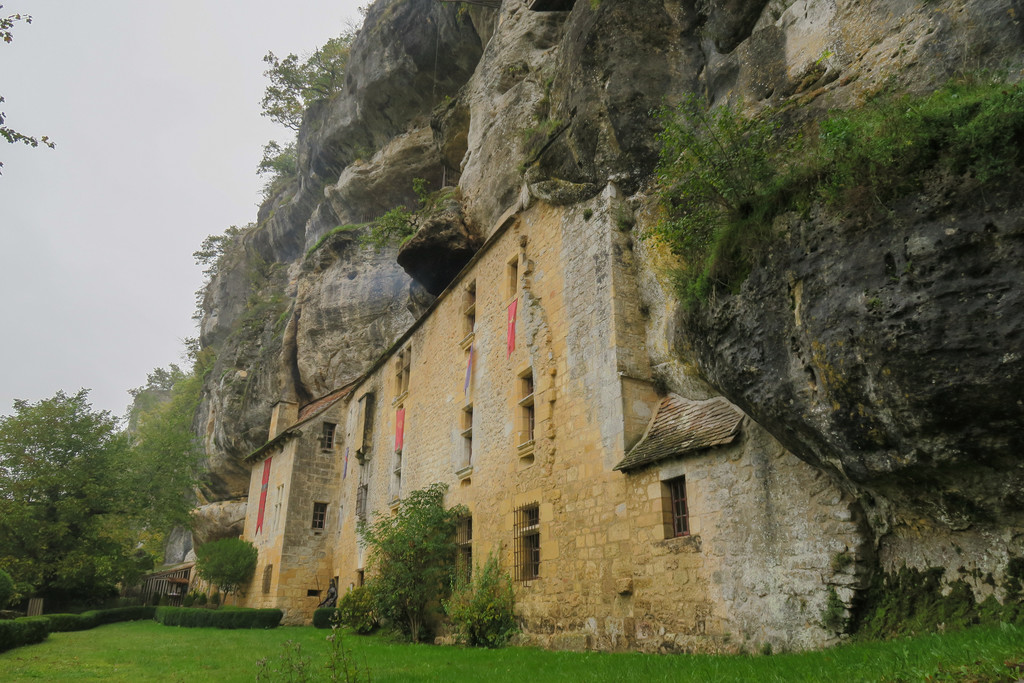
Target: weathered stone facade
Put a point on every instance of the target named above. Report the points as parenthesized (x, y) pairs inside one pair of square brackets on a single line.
[(756, 563)]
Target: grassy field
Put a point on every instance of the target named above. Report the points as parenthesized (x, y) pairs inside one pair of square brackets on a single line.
[(146, 651)]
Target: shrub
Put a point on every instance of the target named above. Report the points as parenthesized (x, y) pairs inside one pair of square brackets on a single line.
[(326, 617), (227, 563), (413, 551), (356, 609), (59, 623), (201, 599), (396, 225), (234, 618), (482, 610), (23, 631)]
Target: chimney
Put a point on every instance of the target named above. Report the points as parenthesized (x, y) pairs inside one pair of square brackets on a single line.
[(283, 416)]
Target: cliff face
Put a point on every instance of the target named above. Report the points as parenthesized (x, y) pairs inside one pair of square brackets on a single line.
[(885, 352)]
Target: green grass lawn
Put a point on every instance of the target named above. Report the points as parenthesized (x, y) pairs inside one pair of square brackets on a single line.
[(147, 651)]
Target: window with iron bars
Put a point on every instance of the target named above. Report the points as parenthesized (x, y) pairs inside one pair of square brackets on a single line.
[(464, 552), (327, 436), (527, 542), (319, 515)]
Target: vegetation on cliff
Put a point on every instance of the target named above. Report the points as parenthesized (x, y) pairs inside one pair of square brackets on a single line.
[(724, 178)]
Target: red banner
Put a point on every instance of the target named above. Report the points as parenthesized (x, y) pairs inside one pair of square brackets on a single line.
[(511, 334), (263, 494), (399, 429)]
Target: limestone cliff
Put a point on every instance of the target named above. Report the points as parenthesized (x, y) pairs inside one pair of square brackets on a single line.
[(885, 352)]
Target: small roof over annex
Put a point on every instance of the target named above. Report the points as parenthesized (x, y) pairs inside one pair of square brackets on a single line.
[(681, 426)]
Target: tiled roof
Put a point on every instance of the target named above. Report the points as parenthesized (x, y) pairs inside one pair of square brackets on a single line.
[(323, 403), (681, 426)]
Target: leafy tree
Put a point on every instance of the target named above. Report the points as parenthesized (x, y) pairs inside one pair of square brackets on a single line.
[(6, 589), (12, 136), (280, 164), (295, 84), (413, 552), (227, 563), (65, 521), (166, 453)]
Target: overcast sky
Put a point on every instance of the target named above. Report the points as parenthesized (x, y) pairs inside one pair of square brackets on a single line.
[(154, 107)]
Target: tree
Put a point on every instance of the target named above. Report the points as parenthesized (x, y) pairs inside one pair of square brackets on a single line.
[(413, 552), (165, 465), (12, 136), (295, 84), (65, 524), (227, 563), (6, 589)]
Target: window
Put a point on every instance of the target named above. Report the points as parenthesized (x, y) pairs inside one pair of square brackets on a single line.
[(268, 573), (402, 368), (312, 592), (527, 542), (362, 493), (677, 522), (464, 543), (277, 507), (469, 310), (327, 436), (364, 424), (360, 577), (512, 278), (396, 477), (319, 515), (527, 416), (466, 459)]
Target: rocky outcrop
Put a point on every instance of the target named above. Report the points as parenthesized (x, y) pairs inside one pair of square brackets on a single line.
[(896, 366), (443, 244)]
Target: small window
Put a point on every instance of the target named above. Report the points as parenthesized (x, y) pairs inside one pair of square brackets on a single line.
[(327, 436), (466, 459), (277, 506), (464, 543), (268, 574), (396, 477), (527, 415), (312, 593), (319, 515), (403, 366), (360, 577), (362, 493), (469, 309), (527, 542), (512, 278), (677, 518)]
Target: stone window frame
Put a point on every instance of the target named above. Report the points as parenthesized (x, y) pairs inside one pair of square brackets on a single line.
[(268, 576), (526, 538), (512, 278), (464, 549), (278, 504), (675, 509), (319, 522), (468, 313), (403, 369), (328, 432), (526, 413), (464, 466)]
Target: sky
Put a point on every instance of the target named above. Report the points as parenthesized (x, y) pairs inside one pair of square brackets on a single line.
[(155, 111)]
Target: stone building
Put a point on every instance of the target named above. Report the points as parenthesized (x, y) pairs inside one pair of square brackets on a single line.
[(629, 518)]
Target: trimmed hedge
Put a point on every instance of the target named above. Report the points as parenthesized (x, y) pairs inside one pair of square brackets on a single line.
[(221, 618), (94, 618), (322, 616), (23, 631)]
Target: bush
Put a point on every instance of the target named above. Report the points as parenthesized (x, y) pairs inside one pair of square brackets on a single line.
[(225, 618), (23, 631), (357, 610), (60, 623), (413, 551), (482, 609), (227, 563), (326, 617)]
